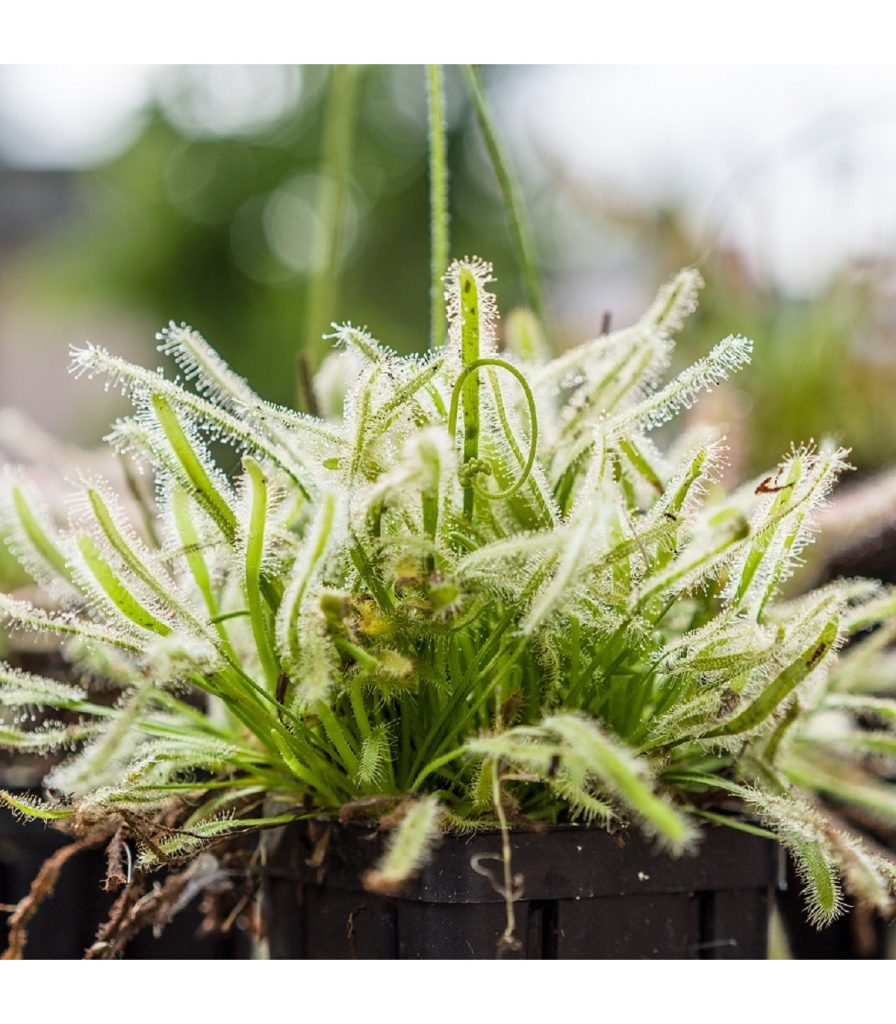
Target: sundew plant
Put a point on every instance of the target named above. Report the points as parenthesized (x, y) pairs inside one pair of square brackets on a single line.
[(477, 595)]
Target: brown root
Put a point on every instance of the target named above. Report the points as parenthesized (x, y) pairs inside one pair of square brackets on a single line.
[(138, 908)]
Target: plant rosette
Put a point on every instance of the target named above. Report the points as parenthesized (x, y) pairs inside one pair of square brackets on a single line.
[(475, 593)]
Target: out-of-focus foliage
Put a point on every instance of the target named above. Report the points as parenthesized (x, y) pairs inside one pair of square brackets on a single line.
[(219, 229), (822, 364), (211, 220)]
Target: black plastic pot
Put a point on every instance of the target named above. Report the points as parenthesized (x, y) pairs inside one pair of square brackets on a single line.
[(584, 896), (66, 924)]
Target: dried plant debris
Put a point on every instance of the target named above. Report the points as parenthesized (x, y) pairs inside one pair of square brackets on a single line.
[(482, 590)]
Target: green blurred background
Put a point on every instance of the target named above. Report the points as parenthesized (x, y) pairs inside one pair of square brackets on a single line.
[(202, 204)]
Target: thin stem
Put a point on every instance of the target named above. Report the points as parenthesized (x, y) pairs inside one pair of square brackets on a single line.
[(508, 940), (438, 200), (254, 558), (470, 339), (460, 386), (513, 204)]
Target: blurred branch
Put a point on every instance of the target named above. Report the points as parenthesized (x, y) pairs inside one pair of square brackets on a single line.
[(516, 214), (438, 192), (332, 201)]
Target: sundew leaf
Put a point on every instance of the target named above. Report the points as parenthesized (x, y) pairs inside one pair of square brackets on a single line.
[(192, 547), (764, 535), (859, 741), (582, 803), (783, 528), (349, 336), (697, 469), (192, 462), (407, 848), (160, 761), (318, 540), (30, 535), (414, 383), (620, 376), (524, 336), (821, 880), (420, 481), (152, 391), (800, 828), (19, 689), (22, 615), (468, 303), (615, 767), (879, 609), (185, 842), (259, 613), (46, 739), (569, 566), (361, 418), (717, 538), (111, 585), (31, 807), (214, 380), (864, 872), (372, 761), (728, 356), (584, 750), (508, 553), (781, 686), (116, 534), (675, 301)]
